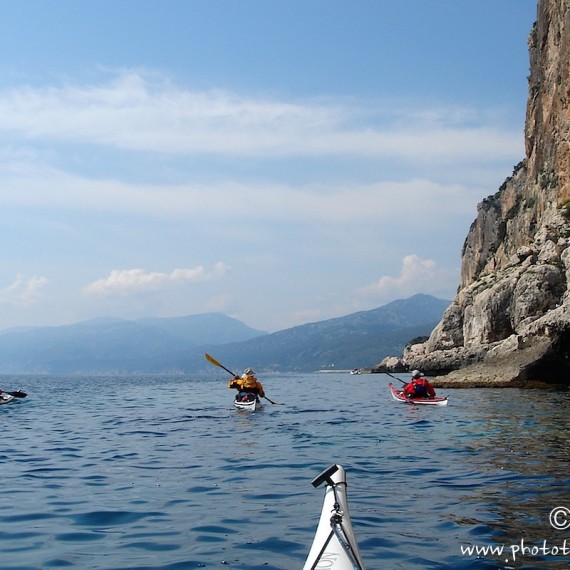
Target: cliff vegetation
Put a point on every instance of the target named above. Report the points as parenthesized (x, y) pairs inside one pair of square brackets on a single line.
[(509, 322)]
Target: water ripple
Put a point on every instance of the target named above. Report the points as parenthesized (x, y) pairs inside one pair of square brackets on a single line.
[(179, 483)]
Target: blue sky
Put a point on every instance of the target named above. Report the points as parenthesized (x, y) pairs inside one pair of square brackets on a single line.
[(280, 161)]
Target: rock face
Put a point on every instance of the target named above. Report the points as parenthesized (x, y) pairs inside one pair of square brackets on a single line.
[(510, 320)]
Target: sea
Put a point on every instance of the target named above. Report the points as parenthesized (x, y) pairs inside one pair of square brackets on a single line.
[(161, 472)]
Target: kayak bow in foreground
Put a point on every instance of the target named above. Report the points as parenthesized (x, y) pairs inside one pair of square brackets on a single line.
[(334, 546), (399, 397)]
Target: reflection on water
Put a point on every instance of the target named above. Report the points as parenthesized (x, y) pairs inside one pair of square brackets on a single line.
[(526, 437), (148, 472)]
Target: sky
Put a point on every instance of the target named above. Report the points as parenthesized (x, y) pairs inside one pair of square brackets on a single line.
[(278, 161)]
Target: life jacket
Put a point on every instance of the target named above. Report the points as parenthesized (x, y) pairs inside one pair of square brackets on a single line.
[(248, 383), (420, 390)]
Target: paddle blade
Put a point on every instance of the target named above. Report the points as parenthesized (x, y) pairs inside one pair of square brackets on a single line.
[(213, 360), (216, 363), (276, 403), (17, 394)]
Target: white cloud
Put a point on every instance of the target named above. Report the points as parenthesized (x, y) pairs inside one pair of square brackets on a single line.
[(126, 281), (210, 170), (24, 292), (36, 185), (416, 276), (142, 113), (219, 303)]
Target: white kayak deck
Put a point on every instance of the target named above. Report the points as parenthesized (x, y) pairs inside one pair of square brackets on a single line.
[(334, 546)]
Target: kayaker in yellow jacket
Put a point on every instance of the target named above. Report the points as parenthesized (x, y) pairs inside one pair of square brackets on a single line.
[(247, 384)]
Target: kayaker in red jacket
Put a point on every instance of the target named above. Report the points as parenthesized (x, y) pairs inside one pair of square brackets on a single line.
[(419, 387)]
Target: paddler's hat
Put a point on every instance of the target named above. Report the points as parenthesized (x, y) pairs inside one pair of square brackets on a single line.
[(416, 374), (249, 372)]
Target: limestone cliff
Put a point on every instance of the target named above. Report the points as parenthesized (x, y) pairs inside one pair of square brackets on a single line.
[(510, 320)]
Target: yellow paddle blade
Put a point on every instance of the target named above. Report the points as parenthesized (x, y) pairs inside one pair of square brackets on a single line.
[(216, 363), (213, 360)]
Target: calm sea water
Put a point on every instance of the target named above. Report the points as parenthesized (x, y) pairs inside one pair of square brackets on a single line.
[(162, 473)]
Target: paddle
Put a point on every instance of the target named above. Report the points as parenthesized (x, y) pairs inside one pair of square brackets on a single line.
[(17, 394), (411, 401), (395, 378), (216, 363), (275, 403)]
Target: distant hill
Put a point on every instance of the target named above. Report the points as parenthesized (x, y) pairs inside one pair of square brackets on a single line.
[(164, 345), (214, 328), (114, 345), (357, 340)]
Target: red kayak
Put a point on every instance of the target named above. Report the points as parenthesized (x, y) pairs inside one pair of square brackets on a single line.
[(399, 397)]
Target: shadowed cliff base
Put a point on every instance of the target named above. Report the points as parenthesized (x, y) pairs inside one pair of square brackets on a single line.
[(542, 364)]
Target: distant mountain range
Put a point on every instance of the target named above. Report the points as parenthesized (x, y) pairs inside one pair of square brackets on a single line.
[(177, 345), (114, 345)]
